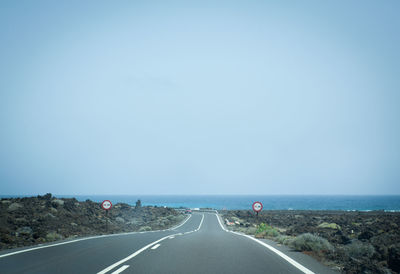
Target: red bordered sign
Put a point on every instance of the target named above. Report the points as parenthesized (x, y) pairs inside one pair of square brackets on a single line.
[(257, 206), (106, 204)]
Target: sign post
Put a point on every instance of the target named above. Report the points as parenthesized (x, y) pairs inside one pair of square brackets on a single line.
[(106, 205), (257, 207)]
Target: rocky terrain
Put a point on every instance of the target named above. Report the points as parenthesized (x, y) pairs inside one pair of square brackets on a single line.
[(36, 220), (352, 242)]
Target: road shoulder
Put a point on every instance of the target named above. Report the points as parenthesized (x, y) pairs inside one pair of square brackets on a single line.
[(301, 258)]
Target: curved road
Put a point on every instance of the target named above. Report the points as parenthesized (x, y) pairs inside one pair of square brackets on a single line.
[(199, 245)]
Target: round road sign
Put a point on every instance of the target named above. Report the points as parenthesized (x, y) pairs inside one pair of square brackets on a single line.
[(106, 204), (257, 206)]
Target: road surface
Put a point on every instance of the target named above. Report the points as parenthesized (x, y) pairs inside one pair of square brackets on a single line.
[(199, 245)]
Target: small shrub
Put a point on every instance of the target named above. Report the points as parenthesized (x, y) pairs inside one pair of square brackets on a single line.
[(273, 232), (358, 250), (251, 230), (283, 239), (311, 242), (144, 228), (264, 230), (330, 226), (261, 228), (53, 236)]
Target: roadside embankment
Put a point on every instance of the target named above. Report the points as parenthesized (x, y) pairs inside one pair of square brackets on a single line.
[(352, 242), (35, 220)]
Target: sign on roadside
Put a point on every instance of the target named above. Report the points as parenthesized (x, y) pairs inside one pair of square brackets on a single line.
[(257, 207), (106, 204)]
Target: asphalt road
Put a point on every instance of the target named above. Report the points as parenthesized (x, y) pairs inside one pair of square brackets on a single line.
[(200, 245)]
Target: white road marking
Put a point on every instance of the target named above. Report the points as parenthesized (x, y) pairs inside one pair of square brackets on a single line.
[(156, 246), (201, 222), (105, 270), (146, 247), (119, 270), (172, 237), (276, 251), (84, 239), (51, 245), (181, 223)]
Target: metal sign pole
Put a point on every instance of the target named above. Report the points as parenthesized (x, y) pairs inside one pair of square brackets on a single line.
[(106, 221), (106, 205)]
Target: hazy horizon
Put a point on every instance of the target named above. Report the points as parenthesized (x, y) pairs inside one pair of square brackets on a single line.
[(195, 194), (144, 195), (207, 97)]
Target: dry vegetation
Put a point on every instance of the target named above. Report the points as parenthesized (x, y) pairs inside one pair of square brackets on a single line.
[(354, 242)]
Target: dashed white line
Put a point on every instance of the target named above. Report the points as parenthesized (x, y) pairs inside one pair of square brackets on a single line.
[(201, 222), (156, 246), (105, 270), (119, 270), (153, 244), (84, 239)]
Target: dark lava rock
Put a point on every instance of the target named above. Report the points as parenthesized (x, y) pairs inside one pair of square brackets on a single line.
[(366, 235), (35, 220), (378, 234), (394, 258)]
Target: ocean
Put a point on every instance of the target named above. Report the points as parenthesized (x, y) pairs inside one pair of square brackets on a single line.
[(270, 202)]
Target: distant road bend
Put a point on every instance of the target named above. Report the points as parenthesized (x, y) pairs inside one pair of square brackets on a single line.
[(199, 245)]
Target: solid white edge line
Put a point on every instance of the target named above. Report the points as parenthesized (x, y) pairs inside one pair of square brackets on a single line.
[(119, 270), (51, 245), (276, 251), (156, 246), (88, 238)]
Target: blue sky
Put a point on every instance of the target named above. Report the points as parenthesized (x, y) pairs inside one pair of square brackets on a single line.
[(199, 97)]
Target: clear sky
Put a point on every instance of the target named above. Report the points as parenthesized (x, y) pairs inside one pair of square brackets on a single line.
[(200, 97)]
